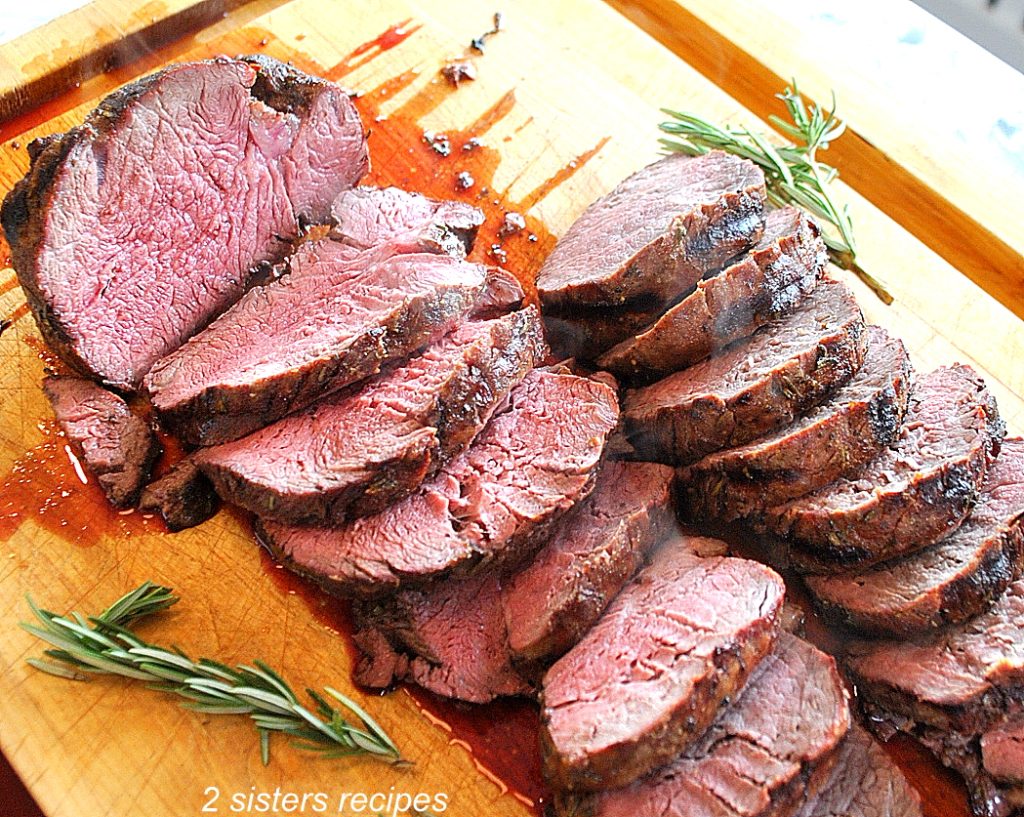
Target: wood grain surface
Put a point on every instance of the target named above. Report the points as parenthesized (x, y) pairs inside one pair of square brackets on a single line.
[(566, 104)]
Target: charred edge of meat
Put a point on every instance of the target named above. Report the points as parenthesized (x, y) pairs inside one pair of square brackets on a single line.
[(280, 85), (969, 594)]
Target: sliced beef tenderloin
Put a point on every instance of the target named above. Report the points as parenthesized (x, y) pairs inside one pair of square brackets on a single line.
[(780, 270), (493, 503), (449, 638), (915, 492), (649, 678), (955, 690), (330, 322), (364, 217), (183, 497), (354, 453), (132, 231), (458, 637), (656, 233), (767, 752), (950, 581), (590, 555), (117, 446), (754, 386), (864, 783), (835, 439)]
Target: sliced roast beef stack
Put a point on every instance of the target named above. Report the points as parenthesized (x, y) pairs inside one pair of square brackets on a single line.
[(960, 691), (359, 451), (950, 581), (754, 386), (768, 752), (779, 271), (484, 636), (135, 229), (491, 504), (918, 490), (833, 440)]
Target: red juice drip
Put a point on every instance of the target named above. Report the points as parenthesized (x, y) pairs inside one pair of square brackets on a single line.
[(371, 49)]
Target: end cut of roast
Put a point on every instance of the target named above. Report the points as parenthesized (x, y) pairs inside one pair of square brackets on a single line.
[(183, 497), (492, 503), (117, 446), (956, 578), (649, 678), (835, 439), (591, 553), (331, 321), (864, 783), (960, 691), (354, 453), (778, 272), (754, 386), (132, 231), (766, 753), (364, 217), (656, 233), (915, 492)]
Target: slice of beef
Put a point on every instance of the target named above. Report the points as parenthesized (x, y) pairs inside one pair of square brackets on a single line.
[(117, 446), (183, 497), (864, 783), (766, 753), (915, 492), (365, 216), (649, 678), (754, 386), (449, 638), (456, 637), (590, 555), (835, 439), (493, 503), (780, 270), (656, 233), (950, 689), (954, 579), (330, 322), (132, 231), (354, 453)]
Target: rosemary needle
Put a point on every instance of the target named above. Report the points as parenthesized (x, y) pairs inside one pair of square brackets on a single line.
[(103, 644), (792, 171)]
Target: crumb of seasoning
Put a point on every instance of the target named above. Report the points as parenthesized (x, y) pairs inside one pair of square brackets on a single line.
[(532, 238), (15, 145), (472, 143), (464, 180), (478, 43), (458, 71), (498, 252), (438, 142), (513, 223)]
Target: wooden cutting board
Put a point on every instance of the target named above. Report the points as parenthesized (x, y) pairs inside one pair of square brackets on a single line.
[(565, 105)]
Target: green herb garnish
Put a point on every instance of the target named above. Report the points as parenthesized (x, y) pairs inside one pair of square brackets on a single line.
[(104, 645), (792, 171)]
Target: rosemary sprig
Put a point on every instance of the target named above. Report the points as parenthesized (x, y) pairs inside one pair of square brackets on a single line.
[(104, 645), (792, 171)]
